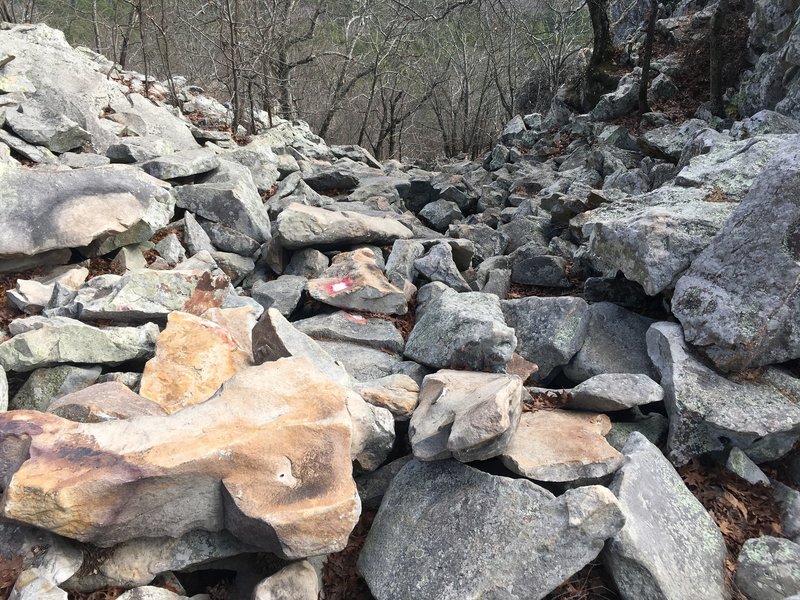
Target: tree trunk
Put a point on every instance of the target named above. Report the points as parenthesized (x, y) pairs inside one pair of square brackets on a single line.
[(644, 107), (602, 46), (716, 64)]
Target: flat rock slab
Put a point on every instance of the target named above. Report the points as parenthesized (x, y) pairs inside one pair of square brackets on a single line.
[(670, 547), (301, 226), (740, 299), (73, 208), (355, 281), (562, 446), (709, 412), (181, 164), (467, 416), (268, 459), (446, 531), (462, 331), (193, 358), (45, 342), (344, 326), (614, 391), (104, 402)]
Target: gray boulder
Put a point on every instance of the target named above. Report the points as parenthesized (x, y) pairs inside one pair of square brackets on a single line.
[(283, 293), (669, 547), (54, 131), (614, 391), (550, 330), (440, 214), (298, 581), (43, 386), (438, 265), (709, 412), (768, 568), (181, 164), (462, 331), (446, 531), (739, 300), (346, 327)]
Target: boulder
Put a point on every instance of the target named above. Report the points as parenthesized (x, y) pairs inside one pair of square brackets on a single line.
[(54, 558), (54, 131), (356, 281), (301, 226), (298, 581), (43, 386), (709, 412), (33, 295), (669, 547), (103, 402), (267, 459), (181, 164), (397, 393), (550, 330), (467, 416), (446, 531), (343, 326), (462, 331), (614, 391), (562, 446), (283, 293), (363, 363), (438, 265), (193, 358), (740, 299), (41, 342), (112, 206), (35, 585), (768, 568)]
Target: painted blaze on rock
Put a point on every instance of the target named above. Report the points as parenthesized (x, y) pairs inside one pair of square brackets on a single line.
[(267, 458)]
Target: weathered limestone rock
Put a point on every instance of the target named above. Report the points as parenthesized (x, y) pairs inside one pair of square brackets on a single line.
[(41, 342), (91, 204), (670, 547), (103, 402), (462, 331), (355, 281), (298, 581), (614, 391), (301, 226), (740, 299), (193, 358), (562, 446), (507, 538), (181, 164), (397, 393), (709, 412), (769, 568), (468, 416), (550, 330), (268, 459), (57, 132)]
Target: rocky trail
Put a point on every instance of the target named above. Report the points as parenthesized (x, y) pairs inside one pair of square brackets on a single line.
[(267, 367)]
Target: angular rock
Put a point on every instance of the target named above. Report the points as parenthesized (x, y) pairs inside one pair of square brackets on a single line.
[(151, 592), (438, 265), (298, 581), (615, 343), (400, 268), (669, 547), (562, 446), (301, 226), (769, 568), (373, 433), (467, 416), (3, 391), (283, 293), (440, 214), (37, 154), (543, 271), (614, 391), (103, 402), (347, 327), (397, 393), (500, 524), (193, 358), (308, 263), (740, 299), (229, 240), (43, 386), (54, 557), (363, 363), (195, 236), (268, 459), (113, 206), (34, 585), (181, 164), (274, 337), (40, 342), (355, 281), (57, 132), (550, 330), (462, 331), (740, 464), (33, 295), (171, 249), (709, 412)]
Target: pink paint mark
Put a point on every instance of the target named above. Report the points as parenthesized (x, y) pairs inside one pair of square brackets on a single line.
[(358, 319), (338, 285)]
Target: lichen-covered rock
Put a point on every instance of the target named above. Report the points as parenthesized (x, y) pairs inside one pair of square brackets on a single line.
[(446, 531), (769, 568), (669, 547), (614, 391), (740, 299)]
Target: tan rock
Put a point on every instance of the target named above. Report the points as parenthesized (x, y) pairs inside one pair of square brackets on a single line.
[(267, 458), (397, 393), (238, 321), (194, 357), (104, 402), (355, 281), (562, 446), (466, 415)]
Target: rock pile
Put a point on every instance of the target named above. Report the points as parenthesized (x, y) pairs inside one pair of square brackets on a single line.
[(286, 331)]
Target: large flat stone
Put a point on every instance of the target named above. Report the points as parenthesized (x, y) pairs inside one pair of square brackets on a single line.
[(267, 459)]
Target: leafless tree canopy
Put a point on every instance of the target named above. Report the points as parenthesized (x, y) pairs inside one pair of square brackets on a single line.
[(415, 78)]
